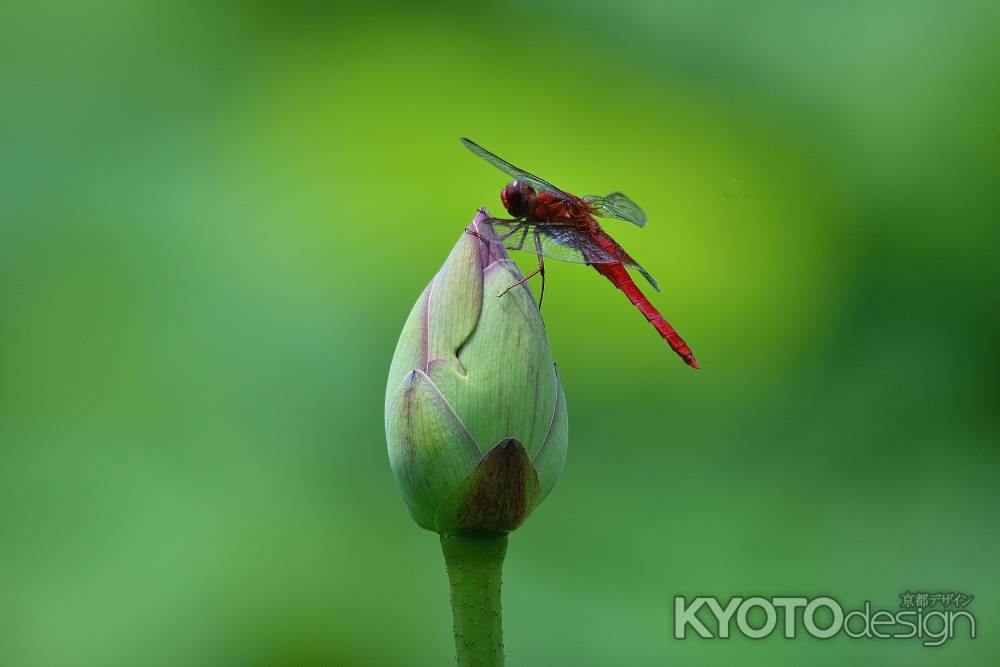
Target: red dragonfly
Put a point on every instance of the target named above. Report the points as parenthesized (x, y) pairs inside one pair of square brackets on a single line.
[(563, 226)]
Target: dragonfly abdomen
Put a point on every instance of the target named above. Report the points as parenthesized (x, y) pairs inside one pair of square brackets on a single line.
[(620, 278)]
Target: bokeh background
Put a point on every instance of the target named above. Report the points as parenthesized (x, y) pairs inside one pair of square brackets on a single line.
[(216, 217)]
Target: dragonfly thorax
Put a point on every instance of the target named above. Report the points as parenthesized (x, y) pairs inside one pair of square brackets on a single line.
[(518, 198)]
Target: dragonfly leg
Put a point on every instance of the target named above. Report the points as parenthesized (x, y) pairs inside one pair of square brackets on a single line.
[(541, 265), (501, 237), (512, 222), (520, 282), (539, 270), (520, 244)]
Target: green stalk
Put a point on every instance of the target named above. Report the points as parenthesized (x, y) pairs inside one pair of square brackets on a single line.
[(474, 562)]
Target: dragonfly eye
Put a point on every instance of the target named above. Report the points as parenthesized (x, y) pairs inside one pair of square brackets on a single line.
[(514, 199), (510, 197)]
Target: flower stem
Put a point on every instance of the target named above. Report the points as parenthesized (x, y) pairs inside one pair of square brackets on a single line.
[(474, 562)]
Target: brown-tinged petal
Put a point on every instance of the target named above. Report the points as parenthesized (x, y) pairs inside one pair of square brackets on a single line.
[(497, 496)]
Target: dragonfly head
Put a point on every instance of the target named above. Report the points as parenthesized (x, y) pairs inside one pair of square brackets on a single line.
[(517, 198)]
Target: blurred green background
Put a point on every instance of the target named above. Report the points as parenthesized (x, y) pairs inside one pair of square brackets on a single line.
[(216, 217)]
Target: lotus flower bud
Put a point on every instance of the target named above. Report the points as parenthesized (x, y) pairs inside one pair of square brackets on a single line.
[(476, 420)]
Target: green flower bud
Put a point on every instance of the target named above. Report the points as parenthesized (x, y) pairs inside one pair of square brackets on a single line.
[(476, 420)]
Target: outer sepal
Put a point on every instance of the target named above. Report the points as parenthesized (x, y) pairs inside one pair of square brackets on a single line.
[(430, 451), (508, 388), (551, 456)]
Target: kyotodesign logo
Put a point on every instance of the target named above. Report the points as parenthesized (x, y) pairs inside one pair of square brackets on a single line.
[(757, 617)]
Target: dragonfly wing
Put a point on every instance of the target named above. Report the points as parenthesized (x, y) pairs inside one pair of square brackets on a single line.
[(617, 205), (607, 242), (568, 243), (565, 243), (509, 234), (645, 274), (539, 184)]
